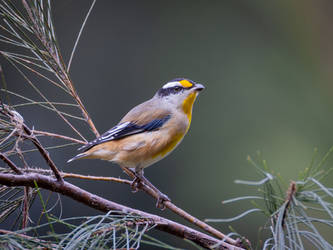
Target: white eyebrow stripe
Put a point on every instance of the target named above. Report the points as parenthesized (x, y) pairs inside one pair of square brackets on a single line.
[(171, 84)]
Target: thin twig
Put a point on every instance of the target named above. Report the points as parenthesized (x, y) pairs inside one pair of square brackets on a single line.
[(78, 176), (69, 84), (79, 35), (3, 231), (95, 178), (43, 152), (289, 197), (10, 163), (25, 212), (67, 138), (104, 205)]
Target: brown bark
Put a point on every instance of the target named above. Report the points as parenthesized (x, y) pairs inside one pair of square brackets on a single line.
[(101, 204)]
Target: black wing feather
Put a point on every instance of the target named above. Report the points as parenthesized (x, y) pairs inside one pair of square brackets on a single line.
[(125, 129)]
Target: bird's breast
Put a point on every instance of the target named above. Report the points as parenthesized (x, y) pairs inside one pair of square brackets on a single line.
[(166, 139), (163, 145), (144, 149)]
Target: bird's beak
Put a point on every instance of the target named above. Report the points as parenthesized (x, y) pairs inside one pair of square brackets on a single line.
[(198, 87)]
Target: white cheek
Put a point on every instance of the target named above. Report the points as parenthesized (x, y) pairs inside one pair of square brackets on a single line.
[(175, 101)]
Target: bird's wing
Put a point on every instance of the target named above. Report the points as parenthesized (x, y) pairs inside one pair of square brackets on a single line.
[(145, 113), (133, 123)]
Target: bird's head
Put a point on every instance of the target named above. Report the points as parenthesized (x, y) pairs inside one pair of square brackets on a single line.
[(180, 93)]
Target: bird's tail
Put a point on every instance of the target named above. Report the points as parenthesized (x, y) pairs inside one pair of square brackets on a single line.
[(79, 156)]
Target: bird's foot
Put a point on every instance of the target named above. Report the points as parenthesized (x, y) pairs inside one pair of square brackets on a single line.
[(139, 180), (161, 199), (135, 184)]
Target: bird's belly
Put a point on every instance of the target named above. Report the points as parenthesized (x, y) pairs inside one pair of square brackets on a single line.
[(143, 150)]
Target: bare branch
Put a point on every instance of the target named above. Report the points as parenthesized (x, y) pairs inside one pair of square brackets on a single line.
[(43, 152), (95, 178), (64, 137), (183, 213), (289, 197), (70, 85), (10, 163), (25, 212), (152, 193), (104, 205), (78, 176)]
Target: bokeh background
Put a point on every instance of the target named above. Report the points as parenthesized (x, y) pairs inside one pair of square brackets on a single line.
[(267, 70)]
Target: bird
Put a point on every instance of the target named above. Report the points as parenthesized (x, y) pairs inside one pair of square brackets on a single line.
[(148, 132)]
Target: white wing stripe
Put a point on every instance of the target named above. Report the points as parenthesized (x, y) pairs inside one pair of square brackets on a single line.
[(115, 130)]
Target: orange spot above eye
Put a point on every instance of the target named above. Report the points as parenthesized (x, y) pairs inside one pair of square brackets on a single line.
[(185, 83)]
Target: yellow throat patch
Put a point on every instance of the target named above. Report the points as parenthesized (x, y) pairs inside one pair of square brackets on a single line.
[(171, 145), (187, 108), (188, 104)]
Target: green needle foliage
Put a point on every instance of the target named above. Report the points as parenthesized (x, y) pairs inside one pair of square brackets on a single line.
[(296, 213), (11, 202), (31, 46), (113, 230)]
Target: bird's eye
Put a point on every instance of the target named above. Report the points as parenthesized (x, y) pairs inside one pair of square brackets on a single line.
[(177, 89)]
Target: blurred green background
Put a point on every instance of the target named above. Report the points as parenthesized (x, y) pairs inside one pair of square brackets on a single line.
[(267, 70)]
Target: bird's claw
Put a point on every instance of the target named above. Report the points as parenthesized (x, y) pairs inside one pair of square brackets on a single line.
[(135, 184), (161, 198), (160, 201)]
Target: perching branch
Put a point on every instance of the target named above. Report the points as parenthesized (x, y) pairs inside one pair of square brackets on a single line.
[(66, 175), (101, 204), (183, 213), (152, 193)]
